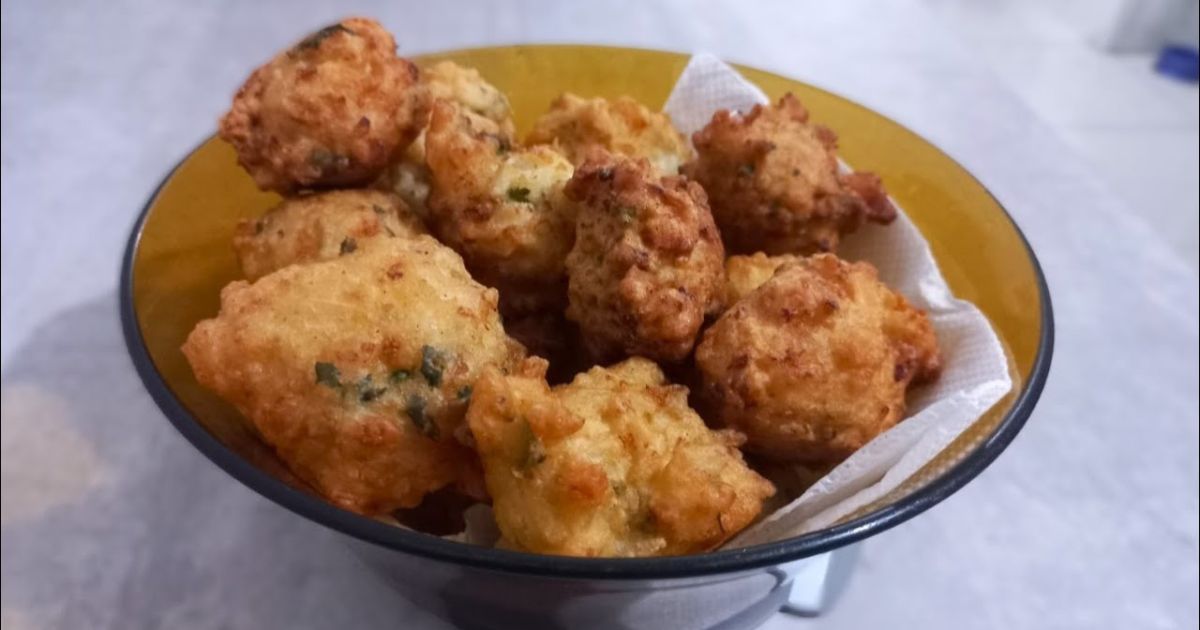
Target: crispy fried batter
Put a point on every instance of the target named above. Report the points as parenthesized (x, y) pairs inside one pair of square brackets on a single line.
[(816, 362), (772, 179), (614, 464), (744, 274), (501, 207), (357, 370), (446, 81), (647, 262), (579, 126), (318, 227), (332, 110)]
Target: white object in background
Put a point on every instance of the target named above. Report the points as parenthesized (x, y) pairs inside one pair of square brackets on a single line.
[(1143, 26)]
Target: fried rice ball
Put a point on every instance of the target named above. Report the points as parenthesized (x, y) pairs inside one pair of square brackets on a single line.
[(647, 263), (816, 362), (331, 111), (501, 207), (744, 274), (357, 370), (579, 126), (613, 464), (772, 179), (320, 226), (446, 81)]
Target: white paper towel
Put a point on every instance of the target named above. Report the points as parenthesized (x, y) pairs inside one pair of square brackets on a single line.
[(975, 374)]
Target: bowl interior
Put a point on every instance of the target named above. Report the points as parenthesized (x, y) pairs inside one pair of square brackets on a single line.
[(183, 255)]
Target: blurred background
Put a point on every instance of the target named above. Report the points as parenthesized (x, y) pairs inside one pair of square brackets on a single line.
[(1082, 117)]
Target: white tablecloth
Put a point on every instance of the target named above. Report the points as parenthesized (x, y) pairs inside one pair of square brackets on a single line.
[(111, 520)]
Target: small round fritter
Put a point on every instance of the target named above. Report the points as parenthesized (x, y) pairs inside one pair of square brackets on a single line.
[(357, 370), (579, 126), (815, 362), (613, 464), (772, 179), (446, 81), (331, 111), (320, 226), (501, 207), (647, 265), (744, 274)]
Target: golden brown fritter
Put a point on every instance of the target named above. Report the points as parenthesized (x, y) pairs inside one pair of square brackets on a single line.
[(816, 362), (446, 81), (647, 262), (501, 207), (357, 370), (744, 274), (772, 179), (331, 111), (613, 464), (320, 226), (579, 126)]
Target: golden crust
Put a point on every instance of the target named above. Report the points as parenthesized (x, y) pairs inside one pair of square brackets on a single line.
[(356, 370), (816, 362), (613, 464), (318, 227), (744, 274), (331, 111), (446, 81), (579, 126), (647, 263), (501, 207), (772, 179)]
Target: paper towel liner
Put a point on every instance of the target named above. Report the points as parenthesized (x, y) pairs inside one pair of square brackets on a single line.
[(975, 374), (975, 368)]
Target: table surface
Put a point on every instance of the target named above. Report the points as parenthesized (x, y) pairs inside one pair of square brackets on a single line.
[(111, 520)]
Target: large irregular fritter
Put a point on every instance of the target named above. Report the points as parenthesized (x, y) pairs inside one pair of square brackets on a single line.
[(744, 274), (816, 362), (772, 179), (446, 81), (331, 111), (613, 464), (579, 126), (501, 207), (357, 370), (647, 265), (320, 226)]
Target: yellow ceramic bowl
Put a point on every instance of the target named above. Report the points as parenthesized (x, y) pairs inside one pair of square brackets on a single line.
[(180, 256)]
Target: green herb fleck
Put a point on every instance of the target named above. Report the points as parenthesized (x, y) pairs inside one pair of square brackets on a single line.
[(464, 393), (433, 364), (628, 214), (746, 169), (532, 451), (327, 161), (415, 408), (367, 390), (399, 376), (314, 40), (348, 245), (328, 375), (519, 194)]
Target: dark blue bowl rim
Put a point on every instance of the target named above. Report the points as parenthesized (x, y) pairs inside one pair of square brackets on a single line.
[(716, 562)]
